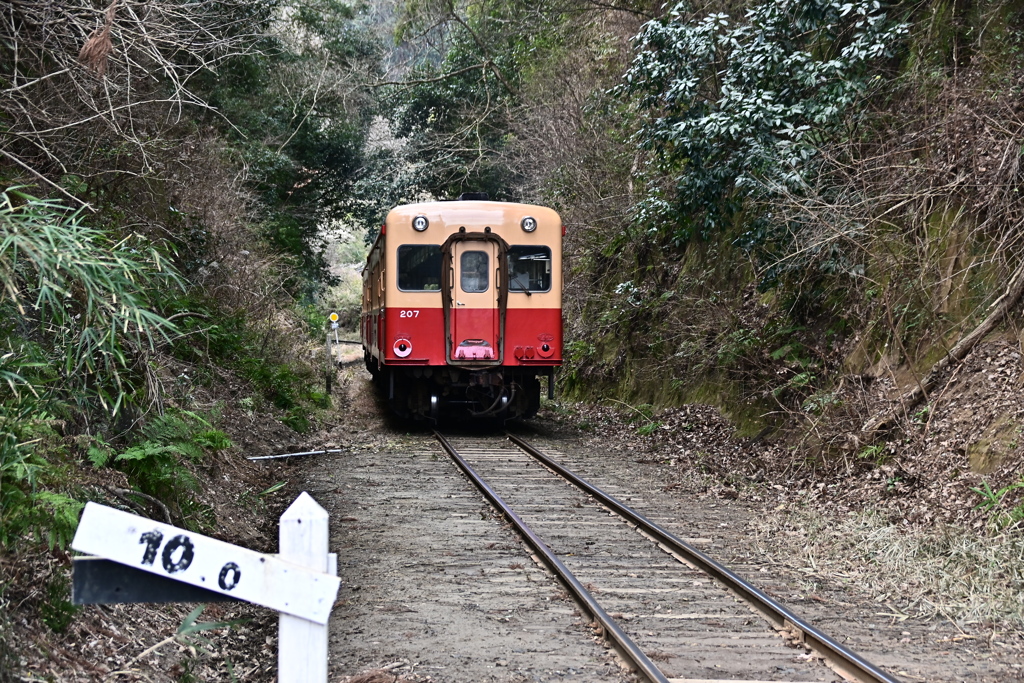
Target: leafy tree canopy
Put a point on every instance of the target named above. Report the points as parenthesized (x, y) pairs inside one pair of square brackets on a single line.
[(300, 114), (457, 101)]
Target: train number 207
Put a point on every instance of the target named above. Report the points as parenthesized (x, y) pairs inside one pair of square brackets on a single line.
[(409, 314)]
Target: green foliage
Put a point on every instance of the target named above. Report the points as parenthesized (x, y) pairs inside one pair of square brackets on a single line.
[(645, 416), (731, 115), (188, 635), (158, 464), (212, 439), (58, 515), (1001, 514), (316, 320), (99, 455), (299, 122), (31, 501), (297, 420), (57, 610), (80, 293), (798, 381), (820, 401), (644, 411), (278, 382), (730, 107), (877, 454), (25, 506), (273, 488), (578, 350), (235, 344), (649, 428), (190, 626), (457, 114), (84, 294), (737, 345)]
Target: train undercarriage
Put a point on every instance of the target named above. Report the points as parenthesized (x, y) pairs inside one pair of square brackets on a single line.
[(434, 393)]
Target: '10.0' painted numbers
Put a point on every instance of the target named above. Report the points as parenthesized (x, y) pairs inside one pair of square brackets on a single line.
[(174, 562)]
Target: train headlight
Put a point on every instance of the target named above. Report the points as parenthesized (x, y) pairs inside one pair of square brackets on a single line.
[(403, 347), (420, 223), (529, 224)]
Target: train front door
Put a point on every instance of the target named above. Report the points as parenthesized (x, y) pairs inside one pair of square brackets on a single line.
[(475, 325)]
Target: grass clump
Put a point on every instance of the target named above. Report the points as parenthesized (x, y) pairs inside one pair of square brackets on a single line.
[(944, 571)]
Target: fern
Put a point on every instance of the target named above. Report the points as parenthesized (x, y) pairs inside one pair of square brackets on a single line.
[(157, 465), (148, 451), (99, 456), (213, 439), (58, 515)]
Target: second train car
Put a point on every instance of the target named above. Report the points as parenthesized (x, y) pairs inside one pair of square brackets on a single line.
[(462, 308)]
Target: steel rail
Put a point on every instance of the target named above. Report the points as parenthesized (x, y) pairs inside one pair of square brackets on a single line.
[(839, 658), (611, 629)]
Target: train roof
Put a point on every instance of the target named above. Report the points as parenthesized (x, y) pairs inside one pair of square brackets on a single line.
[(476, 212)]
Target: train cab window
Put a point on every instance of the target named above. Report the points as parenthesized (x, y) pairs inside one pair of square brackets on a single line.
[(529, 268), (419, 267), (474, 271)]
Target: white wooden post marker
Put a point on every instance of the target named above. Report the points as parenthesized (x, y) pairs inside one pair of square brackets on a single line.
[(205, 562), (302, 644)]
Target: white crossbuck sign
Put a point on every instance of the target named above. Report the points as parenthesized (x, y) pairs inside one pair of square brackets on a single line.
[(206, 562)]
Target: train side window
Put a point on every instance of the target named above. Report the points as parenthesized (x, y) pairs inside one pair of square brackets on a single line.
[(529, 268), (474, 271), (419, 267)]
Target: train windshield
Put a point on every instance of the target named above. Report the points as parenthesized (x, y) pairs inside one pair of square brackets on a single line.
[(419, 267), (529, 269)]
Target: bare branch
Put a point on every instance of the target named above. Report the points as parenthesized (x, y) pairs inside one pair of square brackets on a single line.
[(78, 78), (46, 180)]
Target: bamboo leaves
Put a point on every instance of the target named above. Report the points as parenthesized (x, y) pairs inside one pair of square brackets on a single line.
[(83, 296), (75, 314)]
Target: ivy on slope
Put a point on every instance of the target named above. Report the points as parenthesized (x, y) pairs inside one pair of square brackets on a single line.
[(731, 107)]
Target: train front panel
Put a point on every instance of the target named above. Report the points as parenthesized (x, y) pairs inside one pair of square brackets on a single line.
[(471, 303)]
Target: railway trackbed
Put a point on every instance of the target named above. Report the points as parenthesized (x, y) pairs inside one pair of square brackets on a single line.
[(671, 611)]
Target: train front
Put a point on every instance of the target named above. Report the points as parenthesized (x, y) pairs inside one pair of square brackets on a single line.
[(469, 313)]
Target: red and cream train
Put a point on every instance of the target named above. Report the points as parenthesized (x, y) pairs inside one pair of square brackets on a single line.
[(462, 307)]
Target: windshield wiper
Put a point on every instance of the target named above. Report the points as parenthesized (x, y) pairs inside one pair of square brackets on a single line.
[(525, 288)]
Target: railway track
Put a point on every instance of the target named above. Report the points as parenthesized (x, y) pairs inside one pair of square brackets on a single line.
[(671, 611)]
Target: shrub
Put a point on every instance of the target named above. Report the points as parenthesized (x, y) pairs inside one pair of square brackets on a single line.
[(81, 294), (729, 106)]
